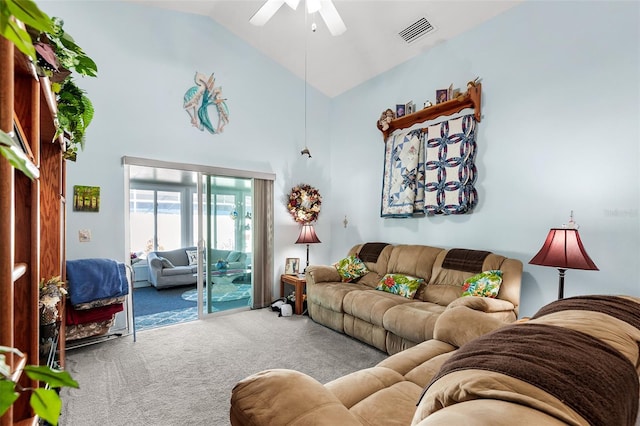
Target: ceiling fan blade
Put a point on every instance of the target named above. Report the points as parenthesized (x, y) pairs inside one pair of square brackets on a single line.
[(332, 18), (313, 5), (293, 4), (268, 9)]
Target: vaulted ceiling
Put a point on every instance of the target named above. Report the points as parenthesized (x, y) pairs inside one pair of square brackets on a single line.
[(370, 46)]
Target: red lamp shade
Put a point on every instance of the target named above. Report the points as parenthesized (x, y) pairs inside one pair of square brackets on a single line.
[(563, 249), (307, 235)]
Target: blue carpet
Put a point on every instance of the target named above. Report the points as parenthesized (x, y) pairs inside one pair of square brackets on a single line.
[(149, 300), (158, 308)]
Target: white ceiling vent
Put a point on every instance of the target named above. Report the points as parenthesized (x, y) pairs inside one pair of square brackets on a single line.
[(416, 30)]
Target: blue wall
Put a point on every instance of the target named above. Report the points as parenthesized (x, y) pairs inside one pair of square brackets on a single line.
[(560, 132)]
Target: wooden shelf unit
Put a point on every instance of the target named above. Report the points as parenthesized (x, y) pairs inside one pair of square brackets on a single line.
[(32, 219), (472, 98)]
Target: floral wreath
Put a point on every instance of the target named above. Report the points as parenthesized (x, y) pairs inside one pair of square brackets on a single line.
[(304, 203)]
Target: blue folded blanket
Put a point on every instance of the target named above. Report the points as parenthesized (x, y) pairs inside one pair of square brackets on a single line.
[(94, 279)]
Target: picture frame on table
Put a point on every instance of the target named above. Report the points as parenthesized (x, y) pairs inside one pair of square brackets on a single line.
[(400, 110), (292, 266)]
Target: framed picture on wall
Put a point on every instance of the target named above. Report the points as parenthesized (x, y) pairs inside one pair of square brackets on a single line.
[(86, 198), (292, 266)]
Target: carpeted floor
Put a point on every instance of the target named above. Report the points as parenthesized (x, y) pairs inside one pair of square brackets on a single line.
[(183, 374)]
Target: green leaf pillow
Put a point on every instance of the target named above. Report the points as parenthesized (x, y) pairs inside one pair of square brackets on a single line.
[(350, 268), (485, 284), (403, 285)]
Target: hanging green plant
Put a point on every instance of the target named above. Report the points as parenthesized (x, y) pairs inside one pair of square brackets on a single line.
[(75, 112), (58, 53)]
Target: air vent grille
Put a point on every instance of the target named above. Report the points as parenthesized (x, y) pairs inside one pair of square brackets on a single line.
[(416, 30)]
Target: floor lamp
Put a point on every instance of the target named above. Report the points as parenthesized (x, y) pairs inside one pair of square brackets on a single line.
[(563, 249), (307, 236)]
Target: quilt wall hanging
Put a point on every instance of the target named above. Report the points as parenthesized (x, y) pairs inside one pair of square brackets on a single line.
[(430, 169), (199, 98)]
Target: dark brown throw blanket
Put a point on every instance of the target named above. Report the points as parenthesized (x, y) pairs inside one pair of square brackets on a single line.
[(572, 366), (369, 252), (465, 260), (618, 307)]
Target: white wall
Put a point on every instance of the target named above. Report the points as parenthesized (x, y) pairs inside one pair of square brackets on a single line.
[(559, 132)]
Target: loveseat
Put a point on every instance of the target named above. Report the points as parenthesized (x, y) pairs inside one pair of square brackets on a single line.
[(392, 322), (179, 267), (575, 362)]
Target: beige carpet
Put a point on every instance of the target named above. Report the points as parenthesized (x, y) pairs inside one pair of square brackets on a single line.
[(183, 374)]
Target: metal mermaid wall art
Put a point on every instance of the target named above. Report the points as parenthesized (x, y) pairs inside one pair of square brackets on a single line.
[(197, 100)]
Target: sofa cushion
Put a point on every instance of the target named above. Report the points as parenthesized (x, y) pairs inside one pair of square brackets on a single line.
[(370, 305), (485, 284), (331, 295), (414, 260), (446, 284), (414, 321), (350, 268), (178, 270), (379, 266), (403, 285)]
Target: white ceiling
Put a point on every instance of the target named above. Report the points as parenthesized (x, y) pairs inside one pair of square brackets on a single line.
[(370, 46)]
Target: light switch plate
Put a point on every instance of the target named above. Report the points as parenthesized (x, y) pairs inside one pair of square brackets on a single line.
[(84, 235)]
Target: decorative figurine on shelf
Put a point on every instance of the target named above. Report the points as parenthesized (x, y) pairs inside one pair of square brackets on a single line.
[(222, 264), (473, 83), (427, 104), (385, 119)]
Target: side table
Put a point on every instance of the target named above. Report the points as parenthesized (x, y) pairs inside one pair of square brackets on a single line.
[(299, 283)]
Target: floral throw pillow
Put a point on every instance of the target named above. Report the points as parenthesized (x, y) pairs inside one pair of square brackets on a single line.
[(485, 284), (403, 285), (350, 268)]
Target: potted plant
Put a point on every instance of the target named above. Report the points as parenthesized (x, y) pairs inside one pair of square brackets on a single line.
[(45, 401)]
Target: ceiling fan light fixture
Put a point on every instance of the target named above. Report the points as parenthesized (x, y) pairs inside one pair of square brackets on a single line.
[(327, 10)]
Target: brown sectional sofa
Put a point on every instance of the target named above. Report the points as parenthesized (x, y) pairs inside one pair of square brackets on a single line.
[(576, 362), (393, 323)]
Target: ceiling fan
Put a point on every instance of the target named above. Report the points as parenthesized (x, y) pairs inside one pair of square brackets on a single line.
[(326, 8)]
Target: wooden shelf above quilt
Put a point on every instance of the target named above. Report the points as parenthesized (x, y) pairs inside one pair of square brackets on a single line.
[(470, 99)]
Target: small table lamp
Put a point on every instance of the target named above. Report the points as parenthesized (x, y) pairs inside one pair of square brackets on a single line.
[(307, 236), (563, 249)]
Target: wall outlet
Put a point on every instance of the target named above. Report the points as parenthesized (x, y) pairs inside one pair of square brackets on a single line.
[(84, 235)]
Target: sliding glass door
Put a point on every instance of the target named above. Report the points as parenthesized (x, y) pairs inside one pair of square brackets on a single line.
[(225, 216), (228, 238)]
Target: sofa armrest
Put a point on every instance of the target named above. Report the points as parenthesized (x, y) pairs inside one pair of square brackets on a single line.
[(286, 397), (458, 325), (484, 304), (316, 274), (155, 263)]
